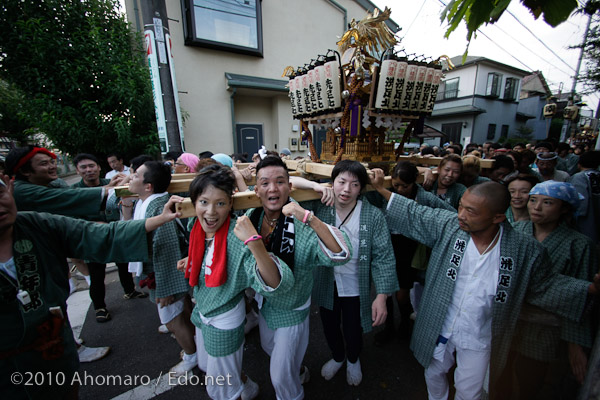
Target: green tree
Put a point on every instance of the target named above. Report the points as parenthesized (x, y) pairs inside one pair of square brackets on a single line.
[(81, 75), (523, 133), (591, 77), (12, 121)]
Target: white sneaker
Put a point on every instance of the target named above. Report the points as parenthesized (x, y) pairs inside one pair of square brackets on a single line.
[(330, 368), (89, 354), (163, 329), (304, 375), (353, 373), (251, 321), (187, 364), (250, 390)]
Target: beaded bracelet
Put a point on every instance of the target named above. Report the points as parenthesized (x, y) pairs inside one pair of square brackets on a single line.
[(125, 205), (308, 216), (252, 238)]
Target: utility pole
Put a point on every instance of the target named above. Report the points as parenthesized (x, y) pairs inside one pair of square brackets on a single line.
[(567, 123), (585, 35), (164, 85)]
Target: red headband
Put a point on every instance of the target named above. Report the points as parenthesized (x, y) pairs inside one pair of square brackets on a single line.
[(30, 155)]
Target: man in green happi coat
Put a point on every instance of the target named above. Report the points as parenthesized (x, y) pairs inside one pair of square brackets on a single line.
[(34, 169), (480, 273), (303, 242), (36, 336)]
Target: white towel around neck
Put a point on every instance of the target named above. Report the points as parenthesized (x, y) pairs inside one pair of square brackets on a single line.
[(139, 212)]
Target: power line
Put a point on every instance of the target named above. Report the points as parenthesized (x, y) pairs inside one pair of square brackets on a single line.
[(506, 51), (500, 47), (510, 54), (527, 48), (550, 83), (414, 19), (539, 40)]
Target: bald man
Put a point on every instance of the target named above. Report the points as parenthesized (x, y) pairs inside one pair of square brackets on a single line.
[(480, 273)]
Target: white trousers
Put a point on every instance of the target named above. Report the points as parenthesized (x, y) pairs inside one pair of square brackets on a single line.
[(286, 347), (229, 367), (469, 376)]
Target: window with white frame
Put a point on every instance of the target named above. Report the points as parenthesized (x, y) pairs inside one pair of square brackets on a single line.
[(493, 84), (451, 88), (230, 25)]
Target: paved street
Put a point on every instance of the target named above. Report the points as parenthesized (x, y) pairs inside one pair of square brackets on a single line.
[(137, 349)]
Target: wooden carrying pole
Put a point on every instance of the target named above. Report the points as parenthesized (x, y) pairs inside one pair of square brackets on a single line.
[(180, 183), (436, 160), (245, 200), (248, 199)]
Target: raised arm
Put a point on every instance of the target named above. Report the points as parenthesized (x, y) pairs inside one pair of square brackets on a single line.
[(169, 214), (428, 177), (239, 179), (377, 176), (245, 231), (320, 228), (326, 192)]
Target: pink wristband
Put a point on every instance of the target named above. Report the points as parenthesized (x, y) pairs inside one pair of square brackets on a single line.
[(252, 238), (306, 214)]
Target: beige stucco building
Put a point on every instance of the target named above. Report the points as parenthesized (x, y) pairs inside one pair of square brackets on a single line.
[(229, 74)]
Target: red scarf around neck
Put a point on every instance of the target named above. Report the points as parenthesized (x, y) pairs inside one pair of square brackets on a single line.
[(215, 275)]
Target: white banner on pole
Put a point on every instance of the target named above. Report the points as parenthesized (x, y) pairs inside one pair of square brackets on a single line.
[(160, 40), (156, 90), (175, 92)]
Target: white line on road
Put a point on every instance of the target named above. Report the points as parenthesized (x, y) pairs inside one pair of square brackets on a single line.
[(78, 305)]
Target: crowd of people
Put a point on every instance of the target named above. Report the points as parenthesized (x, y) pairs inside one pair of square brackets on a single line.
[(493, 269)]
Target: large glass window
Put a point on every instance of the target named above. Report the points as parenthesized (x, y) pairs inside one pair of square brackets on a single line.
[(493, 84), (451, 88), (231, 25), (510, 89)]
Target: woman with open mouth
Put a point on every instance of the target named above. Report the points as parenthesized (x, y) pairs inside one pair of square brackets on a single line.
[(226, 256)]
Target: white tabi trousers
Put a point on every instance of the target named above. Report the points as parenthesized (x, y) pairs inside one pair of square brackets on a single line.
[(229, 367), (287, 347), (469, 376)]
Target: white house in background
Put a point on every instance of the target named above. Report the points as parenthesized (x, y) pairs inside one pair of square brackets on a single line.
[(229, 57), (477, 101)]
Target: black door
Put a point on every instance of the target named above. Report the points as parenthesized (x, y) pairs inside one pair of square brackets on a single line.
[(249, 138), (453, 132)]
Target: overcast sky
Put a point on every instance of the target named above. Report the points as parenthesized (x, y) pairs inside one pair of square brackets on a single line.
[(511, 43)]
